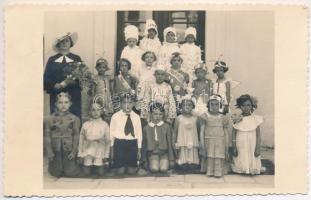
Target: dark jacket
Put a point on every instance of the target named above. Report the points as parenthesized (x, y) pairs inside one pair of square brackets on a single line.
[(164, 142)]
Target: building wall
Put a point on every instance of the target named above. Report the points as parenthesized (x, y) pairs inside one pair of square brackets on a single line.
[(246, 40)]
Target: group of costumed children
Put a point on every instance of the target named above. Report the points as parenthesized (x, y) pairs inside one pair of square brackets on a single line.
[(170, 116)]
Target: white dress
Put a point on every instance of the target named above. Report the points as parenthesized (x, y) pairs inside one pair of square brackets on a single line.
[(94, 139), (191, 55), (246, 162), (153, 45), (134, 56), (221, 89), (165, 54), (146, 78)]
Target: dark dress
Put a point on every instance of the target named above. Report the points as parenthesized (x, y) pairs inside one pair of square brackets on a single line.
[(54, 73)]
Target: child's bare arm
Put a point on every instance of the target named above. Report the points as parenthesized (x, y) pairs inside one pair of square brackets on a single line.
[(228, 91), (258, 142), (234, 149), (175, 132)]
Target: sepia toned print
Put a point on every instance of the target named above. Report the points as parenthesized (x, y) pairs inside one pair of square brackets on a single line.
[(181, 101)]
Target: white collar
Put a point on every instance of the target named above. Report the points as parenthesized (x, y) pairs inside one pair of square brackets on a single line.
[(60, 59), (158, 124)]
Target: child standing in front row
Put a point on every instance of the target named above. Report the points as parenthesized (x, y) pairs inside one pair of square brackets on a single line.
[(246, 138), (213, 139), (94, 143), (61, 138), (186, 136), (157, 149)]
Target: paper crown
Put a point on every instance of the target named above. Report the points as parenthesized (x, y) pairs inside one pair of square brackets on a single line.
[(169, 29), (160, 68), (102, 61), (64, 94), (216, 97), (191, 31), (72, 35), (188, 97), (220, 64), (131, 31), (150, 24), (201, 65)]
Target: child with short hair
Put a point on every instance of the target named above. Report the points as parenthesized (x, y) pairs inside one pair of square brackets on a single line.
[(124, 82), (185, 137), (126, 136), (132, 52), (213, 139), (157, 149), (168, 47), (222, 85), (190, 52), (201, 89), (146, 76), (94, 143), (246, 138), (178, 79), (161, 92), (151, 41), (102, 88), (61, 138)]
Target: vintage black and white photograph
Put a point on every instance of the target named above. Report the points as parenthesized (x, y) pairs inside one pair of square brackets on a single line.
[(158, 99)]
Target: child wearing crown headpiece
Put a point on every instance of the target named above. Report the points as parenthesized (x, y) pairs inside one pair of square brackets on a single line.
[(213, 138), (201, 88), (190, 52), (151, 41), (102, 89), (61, 138), (168, 47), (222, 85), (132, 52)]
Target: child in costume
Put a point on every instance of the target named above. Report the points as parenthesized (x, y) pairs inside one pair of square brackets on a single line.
[(132, 52), (102, 88), (178, 79), (61, 139), (157, 149), (185, 137), (160, 92), (124, 82), (213, 139), (201, 89), (246, 138), (151, 41), (168, 47), (126, 137), (146, 76), (94, 143), (222, 85), (190, 52)]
